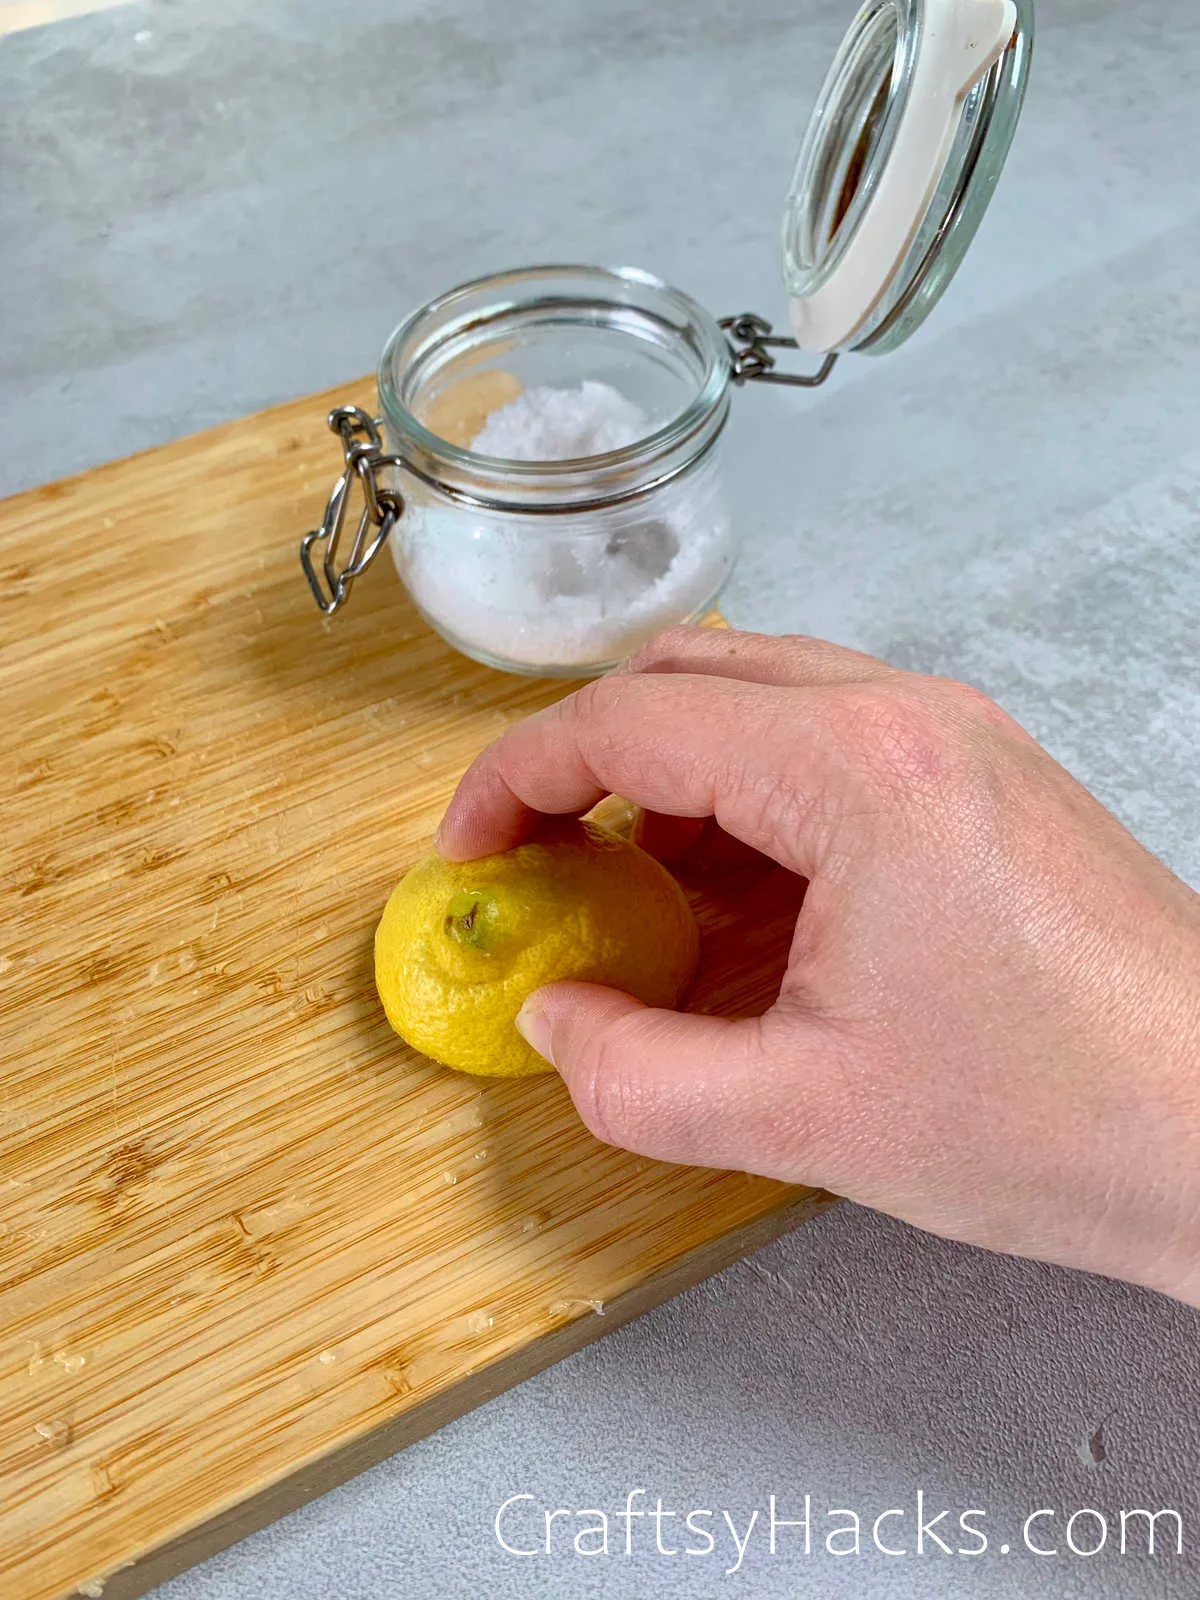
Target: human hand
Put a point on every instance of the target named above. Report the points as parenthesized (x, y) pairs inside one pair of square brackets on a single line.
[(990, 1020)]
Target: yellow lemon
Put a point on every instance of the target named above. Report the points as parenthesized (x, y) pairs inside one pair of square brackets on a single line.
[(461, 945)]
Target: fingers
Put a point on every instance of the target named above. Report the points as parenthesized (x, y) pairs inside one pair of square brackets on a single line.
[(794, 661), (699, 1090), (691, 747), (759, 759)]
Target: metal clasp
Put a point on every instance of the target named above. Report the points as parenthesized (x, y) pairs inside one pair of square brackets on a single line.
[(383, 505), (752, 341)]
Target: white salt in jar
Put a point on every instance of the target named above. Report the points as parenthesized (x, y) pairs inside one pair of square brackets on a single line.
[(551, 487), (558, 429)]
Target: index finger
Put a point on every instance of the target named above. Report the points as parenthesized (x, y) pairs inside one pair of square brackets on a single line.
[(756, 757)]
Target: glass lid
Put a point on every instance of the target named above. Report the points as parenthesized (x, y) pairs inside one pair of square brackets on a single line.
[(899, 163)]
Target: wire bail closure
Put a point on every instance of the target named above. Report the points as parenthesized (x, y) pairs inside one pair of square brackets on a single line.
[(753, 341), (383, 505)]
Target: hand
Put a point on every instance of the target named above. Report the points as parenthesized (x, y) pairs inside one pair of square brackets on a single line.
[(990, 1022)]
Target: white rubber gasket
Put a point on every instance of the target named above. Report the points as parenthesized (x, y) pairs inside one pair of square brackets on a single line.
[(961, 40)]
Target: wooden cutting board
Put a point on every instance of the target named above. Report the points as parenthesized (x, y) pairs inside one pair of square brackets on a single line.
[(249, 1242)]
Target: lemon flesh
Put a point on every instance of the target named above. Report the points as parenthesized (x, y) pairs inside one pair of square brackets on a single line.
[(461, 944)]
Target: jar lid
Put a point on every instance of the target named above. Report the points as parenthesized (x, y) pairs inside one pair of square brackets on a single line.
[(898, 166)]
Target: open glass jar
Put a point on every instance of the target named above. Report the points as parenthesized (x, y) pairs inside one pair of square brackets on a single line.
[(552, 566), (550, 487)]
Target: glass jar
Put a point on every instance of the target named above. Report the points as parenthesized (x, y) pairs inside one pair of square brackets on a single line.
[(538, 555), (559, 566)]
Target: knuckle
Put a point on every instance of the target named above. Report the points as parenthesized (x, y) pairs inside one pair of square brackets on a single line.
[(604, 716), (586, 703), (608, 699), (929, 763), (777, 809), (904, 742), (970, 707)]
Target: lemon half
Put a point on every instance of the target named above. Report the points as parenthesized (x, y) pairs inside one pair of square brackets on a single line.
[(461, 945)]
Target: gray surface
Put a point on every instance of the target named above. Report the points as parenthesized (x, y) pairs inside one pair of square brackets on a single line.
[(235, 210)]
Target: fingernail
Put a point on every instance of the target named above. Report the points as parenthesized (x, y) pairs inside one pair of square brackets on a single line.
[(534, 1027), (437, 837)]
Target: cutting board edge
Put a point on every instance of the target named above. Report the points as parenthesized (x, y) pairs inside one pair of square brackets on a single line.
[(357, 391), (307, 1482)]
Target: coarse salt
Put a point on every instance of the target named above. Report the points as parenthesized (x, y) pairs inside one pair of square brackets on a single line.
[(551, 424), (579, 588)]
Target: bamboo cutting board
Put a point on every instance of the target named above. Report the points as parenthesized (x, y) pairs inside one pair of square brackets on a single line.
[(250, 1243)]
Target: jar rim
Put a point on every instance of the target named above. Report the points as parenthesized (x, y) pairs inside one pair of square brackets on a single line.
[(435, 458)]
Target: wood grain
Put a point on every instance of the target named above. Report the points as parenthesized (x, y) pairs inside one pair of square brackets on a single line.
[(248, 1241)]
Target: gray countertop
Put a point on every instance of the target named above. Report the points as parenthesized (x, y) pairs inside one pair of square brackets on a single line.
[(208, 207)]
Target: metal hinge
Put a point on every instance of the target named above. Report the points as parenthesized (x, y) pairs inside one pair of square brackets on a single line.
[(752, 341), (383, 505)]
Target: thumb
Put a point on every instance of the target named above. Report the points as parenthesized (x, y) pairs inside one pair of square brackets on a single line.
[(705, 1091)]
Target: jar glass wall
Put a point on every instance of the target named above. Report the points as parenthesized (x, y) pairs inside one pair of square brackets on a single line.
[(559, 566)]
